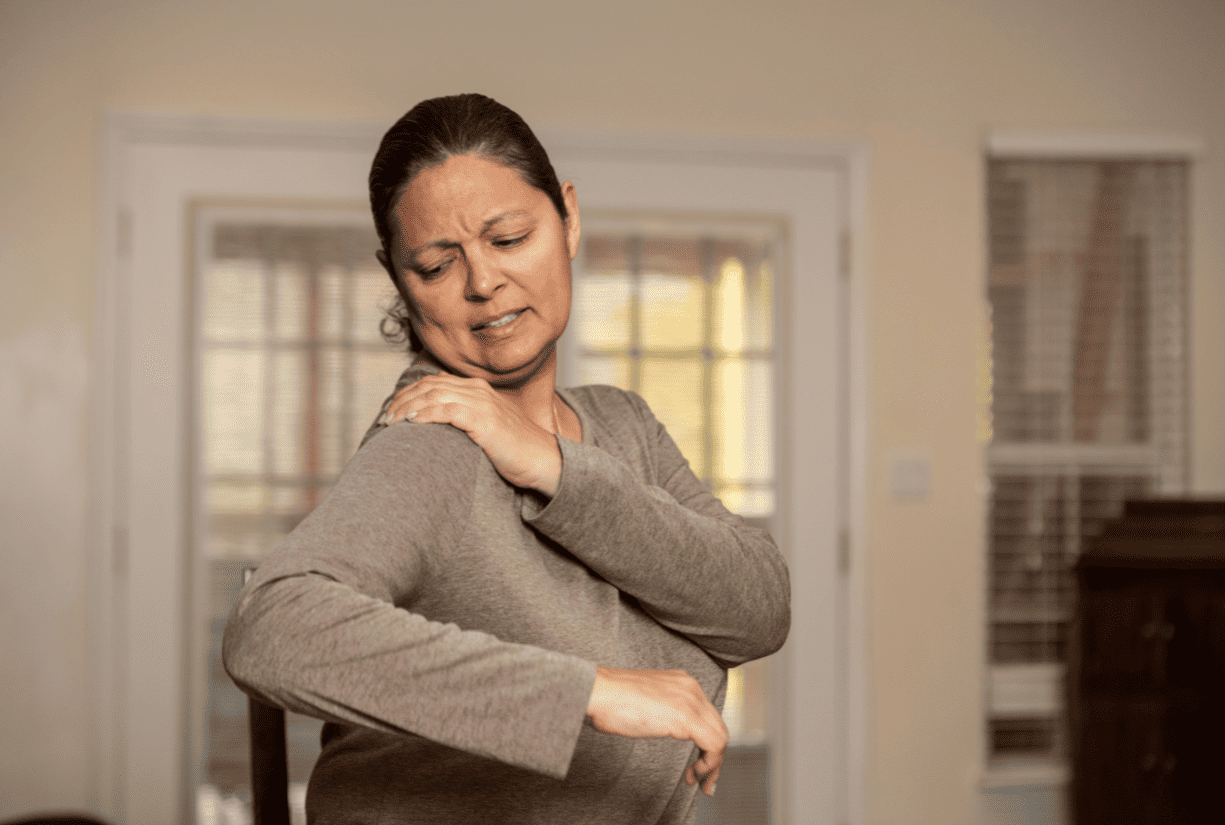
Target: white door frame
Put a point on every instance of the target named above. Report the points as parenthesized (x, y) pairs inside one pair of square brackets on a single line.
[(142, 590)]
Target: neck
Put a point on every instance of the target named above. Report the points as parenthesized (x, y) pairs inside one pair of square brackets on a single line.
[(533, 394), (536, 396)]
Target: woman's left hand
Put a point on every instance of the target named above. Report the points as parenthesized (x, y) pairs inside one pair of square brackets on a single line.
[(523, 452)]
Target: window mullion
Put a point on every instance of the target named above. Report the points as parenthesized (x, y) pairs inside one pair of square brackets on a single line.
[(268, 249), (634, 253), (708, 265)]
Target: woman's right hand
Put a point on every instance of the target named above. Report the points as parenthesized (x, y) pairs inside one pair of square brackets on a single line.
[(522, 451), (644, 704)]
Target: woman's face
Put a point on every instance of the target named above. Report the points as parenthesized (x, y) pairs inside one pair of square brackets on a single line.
[(486, 261)]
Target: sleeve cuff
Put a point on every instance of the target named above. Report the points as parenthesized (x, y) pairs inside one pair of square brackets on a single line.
[(575, 469)]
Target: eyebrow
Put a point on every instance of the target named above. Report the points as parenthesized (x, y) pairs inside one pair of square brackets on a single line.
[(446, 243)]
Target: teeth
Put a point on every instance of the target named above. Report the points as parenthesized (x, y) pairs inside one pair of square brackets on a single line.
[(505, 319)]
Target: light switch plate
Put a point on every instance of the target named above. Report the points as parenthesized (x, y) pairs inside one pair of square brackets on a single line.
[(909, 477)]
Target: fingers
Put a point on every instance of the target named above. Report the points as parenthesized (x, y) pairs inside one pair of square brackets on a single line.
[(521, 450), (647, 703), (711, 761), (712, 777), (708, 783), (447, 391)]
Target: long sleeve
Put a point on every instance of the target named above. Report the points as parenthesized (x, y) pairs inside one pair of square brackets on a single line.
[(691, 564), (326, 625)]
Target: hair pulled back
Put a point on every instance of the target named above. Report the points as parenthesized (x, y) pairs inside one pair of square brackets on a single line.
[(426, 136)]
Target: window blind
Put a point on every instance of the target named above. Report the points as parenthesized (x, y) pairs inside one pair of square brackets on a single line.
[(1087, 296)]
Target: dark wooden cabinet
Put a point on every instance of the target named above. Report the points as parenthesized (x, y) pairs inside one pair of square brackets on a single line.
[(1147, 671)]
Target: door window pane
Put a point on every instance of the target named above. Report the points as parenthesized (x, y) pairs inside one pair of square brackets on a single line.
[(743, 429), (601, 311), (234, 302), (673, 311), (673, 388), (612, 371), (235, 440), (290, 303)]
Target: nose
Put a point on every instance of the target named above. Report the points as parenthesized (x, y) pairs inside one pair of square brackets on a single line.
[(484, 278)]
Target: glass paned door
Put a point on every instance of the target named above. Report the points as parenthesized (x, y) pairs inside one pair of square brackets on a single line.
[(292, 371), (683, 314)]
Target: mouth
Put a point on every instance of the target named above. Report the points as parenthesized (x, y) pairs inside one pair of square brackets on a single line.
[(500, 321)]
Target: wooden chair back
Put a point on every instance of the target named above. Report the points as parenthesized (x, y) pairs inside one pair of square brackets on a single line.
[(269, 760)]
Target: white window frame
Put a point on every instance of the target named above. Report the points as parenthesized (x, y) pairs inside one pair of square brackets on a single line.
[(141, 590), (1035, 687)]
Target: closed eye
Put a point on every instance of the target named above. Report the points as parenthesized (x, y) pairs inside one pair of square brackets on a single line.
[(430, 272), (507, 243)]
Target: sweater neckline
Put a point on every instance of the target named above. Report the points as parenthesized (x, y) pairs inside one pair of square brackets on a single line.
[(583, 421)]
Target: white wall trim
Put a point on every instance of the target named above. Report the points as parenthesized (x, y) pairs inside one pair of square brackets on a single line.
[(1091, 144), (705, 149), (1020, 776), (103, 593), (177, 130), (194, 130), (858, 675)]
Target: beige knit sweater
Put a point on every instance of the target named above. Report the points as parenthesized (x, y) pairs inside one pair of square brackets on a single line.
[(447, 625)]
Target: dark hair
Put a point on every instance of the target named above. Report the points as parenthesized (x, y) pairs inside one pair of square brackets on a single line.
[(431, 132)]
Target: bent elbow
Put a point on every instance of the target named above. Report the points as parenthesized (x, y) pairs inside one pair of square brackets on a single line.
[(237, 656), (245, 656), (780, 624), (779, 630), (767, 636), (772, 624), (773, 633), (774, 615)]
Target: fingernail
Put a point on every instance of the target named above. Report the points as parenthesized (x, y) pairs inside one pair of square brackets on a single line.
[(713, 788), (410, 416)]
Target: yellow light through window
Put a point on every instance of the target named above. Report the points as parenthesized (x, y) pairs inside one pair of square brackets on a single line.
[(729, 305)]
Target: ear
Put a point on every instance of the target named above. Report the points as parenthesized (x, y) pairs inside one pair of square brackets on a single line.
[(573, 224), (381, 254), (398, 283)]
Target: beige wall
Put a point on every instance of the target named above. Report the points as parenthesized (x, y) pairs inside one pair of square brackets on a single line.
[(917, 84)]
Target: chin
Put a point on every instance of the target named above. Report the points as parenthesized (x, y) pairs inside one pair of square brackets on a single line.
[(508, 370), (513, 372)]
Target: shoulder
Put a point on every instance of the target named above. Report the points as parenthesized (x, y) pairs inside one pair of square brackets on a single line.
[(405, 494), (414, 465), (429, 449), (411, 375)]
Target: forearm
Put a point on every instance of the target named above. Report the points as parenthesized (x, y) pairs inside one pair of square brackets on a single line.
[(706, 574), (316, 646)]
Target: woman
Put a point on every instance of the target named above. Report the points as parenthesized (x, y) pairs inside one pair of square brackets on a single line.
[(519, 606)]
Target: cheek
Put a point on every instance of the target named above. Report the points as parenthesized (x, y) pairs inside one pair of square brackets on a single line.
[(423, 311), (413, 306), (562, 297)]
